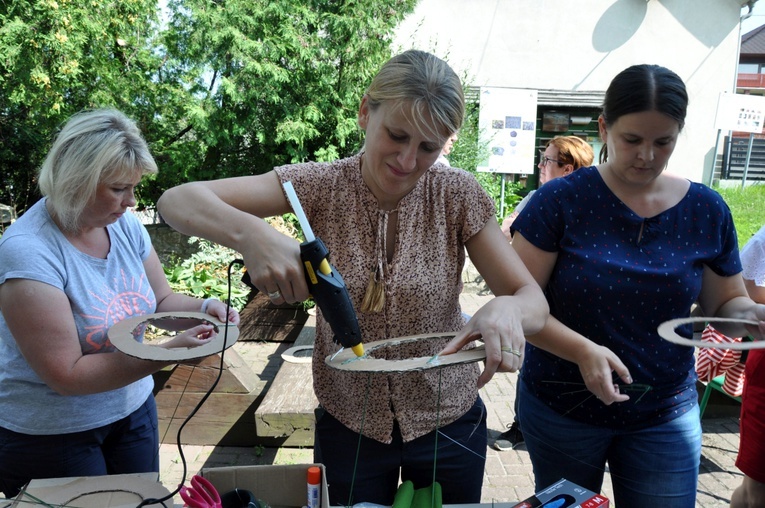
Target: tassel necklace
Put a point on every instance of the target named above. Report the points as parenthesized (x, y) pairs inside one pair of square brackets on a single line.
[(374, 297)]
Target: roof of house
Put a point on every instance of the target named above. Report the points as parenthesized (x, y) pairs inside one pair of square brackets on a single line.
[(753, 43)]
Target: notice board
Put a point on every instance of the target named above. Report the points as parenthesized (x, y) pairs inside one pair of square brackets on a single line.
[(507, 121)]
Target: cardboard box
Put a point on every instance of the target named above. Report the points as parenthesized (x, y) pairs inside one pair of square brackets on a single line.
[(112, 491), (279, 486), (564, 494)]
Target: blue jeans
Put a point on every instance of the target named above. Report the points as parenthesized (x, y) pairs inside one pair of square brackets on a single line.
[(372, 468), (129, 445), (655, 466)]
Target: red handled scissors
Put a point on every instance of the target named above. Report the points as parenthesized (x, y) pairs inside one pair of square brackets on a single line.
[(201, 494)]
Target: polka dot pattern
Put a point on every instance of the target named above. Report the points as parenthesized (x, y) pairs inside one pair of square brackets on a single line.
[(617, 277)]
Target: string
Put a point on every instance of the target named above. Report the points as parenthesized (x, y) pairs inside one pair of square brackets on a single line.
[(645, 388), (584, 463), (361, 433), (438, 424), (454, 441), (37, 501), (622, 388), (437, 432), (24, 493)]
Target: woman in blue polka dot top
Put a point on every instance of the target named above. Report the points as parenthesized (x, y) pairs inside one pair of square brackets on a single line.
[(620, 248)]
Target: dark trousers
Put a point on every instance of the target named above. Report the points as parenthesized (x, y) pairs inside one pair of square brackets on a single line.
[(372, 469), (129, 445)]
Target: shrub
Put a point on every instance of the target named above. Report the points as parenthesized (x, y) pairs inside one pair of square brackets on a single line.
[(205, 274)]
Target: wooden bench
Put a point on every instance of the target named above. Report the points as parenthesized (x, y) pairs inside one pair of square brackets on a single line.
[(287, 410), (180, 388), (262, 320), (225, 417)]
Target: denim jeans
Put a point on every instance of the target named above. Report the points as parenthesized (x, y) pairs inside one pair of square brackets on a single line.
[(372, 468), (129, 445), (655, 466)]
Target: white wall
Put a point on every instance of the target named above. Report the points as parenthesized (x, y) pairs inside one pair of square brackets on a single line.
[(583, 44)]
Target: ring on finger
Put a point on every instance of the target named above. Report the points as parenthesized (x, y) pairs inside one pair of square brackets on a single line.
[(275, 294), (508, 349)]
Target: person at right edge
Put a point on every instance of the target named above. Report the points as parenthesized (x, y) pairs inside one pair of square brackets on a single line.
[(620, 248), (751, 449)]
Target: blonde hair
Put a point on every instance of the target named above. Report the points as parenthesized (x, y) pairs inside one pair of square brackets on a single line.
[(425, 84), (573, 150), (94, 146)]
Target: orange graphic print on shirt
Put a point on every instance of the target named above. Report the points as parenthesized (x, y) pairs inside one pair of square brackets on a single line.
[(134, 297)]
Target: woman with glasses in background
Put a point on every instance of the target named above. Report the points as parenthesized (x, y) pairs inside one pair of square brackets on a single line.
[(562, 156)]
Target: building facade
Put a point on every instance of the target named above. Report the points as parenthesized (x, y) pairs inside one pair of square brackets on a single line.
[(568, 52)]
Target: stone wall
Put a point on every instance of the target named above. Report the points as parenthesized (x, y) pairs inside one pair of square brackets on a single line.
[(169, 243)]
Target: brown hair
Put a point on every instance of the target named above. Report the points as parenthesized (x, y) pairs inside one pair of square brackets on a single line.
[(644, 88), (573, 150)]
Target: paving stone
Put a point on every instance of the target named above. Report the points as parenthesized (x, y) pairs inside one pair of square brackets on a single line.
[(508, 475)]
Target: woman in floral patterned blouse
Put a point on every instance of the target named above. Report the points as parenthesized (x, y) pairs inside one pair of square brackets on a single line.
[(397, 225)]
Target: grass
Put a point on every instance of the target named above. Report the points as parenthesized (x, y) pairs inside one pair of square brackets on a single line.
[(748, 208)]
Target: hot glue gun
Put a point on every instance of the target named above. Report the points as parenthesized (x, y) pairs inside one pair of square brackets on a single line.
[(325, 283)]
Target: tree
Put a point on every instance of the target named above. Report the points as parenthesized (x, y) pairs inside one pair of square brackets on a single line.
[(58, 57), (277, 81), (229, 87)]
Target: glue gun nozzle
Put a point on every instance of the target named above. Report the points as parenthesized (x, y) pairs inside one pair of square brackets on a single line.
[(358, 349)]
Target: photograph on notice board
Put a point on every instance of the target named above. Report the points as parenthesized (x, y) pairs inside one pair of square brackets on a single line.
[(513, 122)]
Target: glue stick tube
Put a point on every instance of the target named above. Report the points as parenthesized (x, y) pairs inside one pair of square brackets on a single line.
[(314, 487), (404, 495)]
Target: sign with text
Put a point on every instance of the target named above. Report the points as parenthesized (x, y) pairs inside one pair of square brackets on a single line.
[(508, 122), (739, 112)]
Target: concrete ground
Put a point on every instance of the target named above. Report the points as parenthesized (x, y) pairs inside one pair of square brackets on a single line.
[(508, 476)]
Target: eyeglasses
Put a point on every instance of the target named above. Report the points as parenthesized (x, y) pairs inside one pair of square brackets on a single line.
[(543, 160)]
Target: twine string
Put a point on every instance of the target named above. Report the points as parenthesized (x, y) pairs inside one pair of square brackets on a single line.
[(435, 448), (361, 434)]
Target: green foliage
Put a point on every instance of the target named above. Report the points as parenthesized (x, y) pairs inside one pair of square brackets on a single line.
[(227, 88), (274, 81), (205, 274), (58, 57), (746, 207)]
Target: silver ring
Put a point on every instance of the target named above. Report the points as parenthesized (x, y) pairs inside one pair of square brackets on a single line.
[(275, 294), (510, 350)]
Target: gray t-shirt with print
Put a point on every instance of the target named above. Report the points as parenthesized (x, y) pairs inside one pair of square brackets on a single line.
[(102, 292)]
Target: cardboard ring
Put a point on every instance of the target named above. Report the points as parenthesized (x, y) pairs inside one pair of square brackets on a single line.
[(667, 332), (121, 337), (347, 359), (289, 355)]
